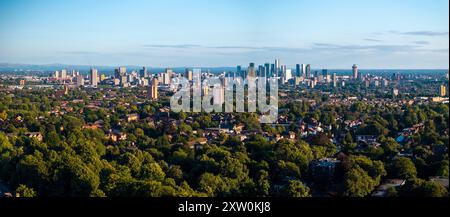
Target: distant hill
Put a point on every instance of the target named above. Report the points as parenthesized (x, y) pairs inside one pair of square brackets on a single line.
[(24, 68), (109, 70)]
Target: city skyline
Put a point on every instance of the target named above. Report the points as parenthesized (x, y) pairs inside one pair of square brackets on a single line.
[(406, 34)]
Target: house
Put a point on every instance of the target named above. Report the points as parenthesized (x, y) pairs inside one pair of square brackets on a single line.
[(37, 135), (242, 137), (382, 190), (197, 143), (132, 117), (278, 137), (291, 135), (324, 170), (238, 128), (116, 135), (19, 119), (440, 180), (366, 139)]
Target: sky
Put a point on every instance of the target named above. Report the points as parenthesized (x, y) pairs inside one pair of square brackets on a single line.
[(335, 34)]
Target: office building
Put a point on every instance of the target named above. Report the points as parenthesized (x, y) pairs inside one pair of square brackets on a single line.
[(239, 71), (251, 70), (153, 93), (277, 68), (120, 72), (94, 77), (307, 70), (80, 81), (355, 72), (267, 69), (143, 72), (63, 74), (298, 72), (443, 91), (188, 74), (334, 80), (288, 75)]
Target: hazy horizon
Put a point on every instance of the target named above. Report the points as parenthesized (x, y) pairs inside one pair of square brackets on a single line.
[(57, 66)]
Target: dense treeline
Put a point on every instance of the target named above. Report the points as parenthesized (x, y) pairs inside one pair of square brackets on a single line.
[(158, 161)]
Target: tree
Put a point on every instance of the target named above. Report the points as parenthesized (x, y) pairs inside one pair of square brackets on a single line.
[(432, 189), (210, 184), (390, 146), (358, 183), (348, 142), (152, 171), (443, 169), (421, 188), (24, 191), (297, 189), (403, 168), (299, 153), (4, 143), (97, 193), (375, 169), (3, 115), (287, 170), (175, 172), (392, 192), (32, 170), (263, 183)]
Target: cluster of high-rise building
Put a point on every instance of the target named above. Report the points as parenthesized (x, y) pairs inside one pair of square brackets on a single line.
[(120, 79), (64, 77), (302, 74)]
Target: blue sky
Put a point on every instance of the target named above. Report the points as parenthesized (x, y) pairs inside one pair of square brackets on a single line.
[(162, 33)]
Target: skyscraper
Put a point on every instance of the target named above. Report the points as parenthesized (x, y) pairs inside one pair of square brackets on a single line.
[(80, 80), (124, 81), (307, 70), (261, 71), (169, 72), (334, 80), (63, 73), (288, 75), (117, 73), (443, 91), (239, 71), (277, 67), (283, 74), (94, 77), (251, 70), (143, 72), (167, 76), (121, 75), (298, 73), (267, 69), (355, 72), (218, 95), (120, 72), (153, 93), (272, 70), (188, 74)]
